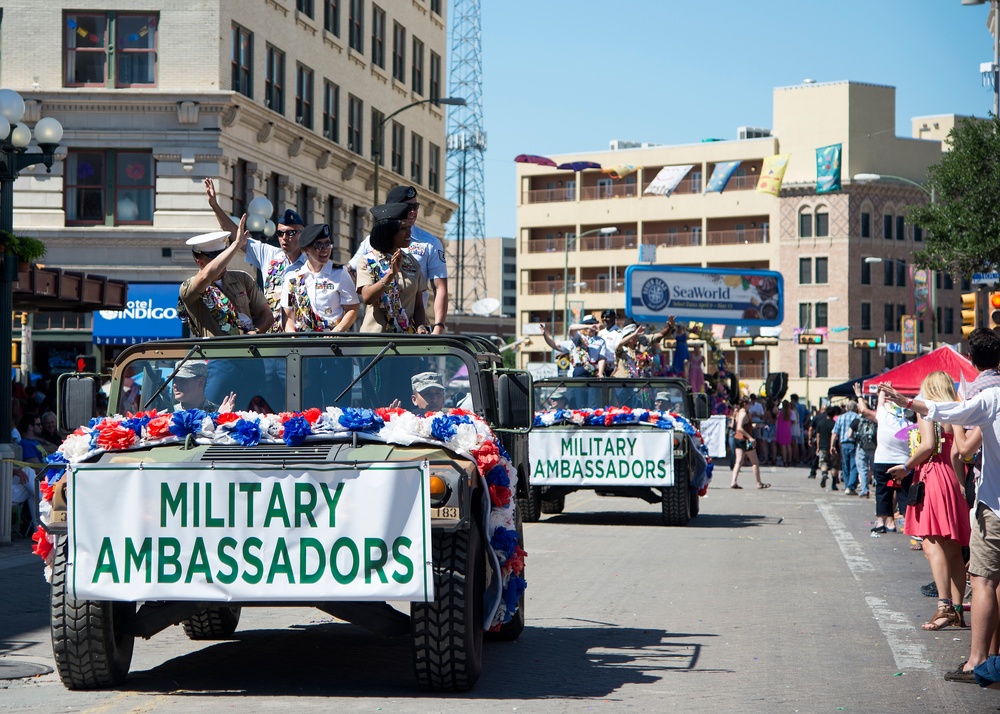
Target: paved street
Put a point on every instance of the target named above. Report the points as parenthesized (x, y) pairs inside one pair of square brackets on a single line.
[(771, 601)]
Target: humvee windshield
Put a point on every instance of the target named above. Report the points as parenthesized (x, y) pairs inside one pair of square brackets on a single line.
[(261, 383), (594, 394)]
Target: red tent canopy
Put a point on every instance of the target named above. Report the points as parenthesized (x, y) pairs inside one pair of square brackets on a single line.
[(906, 378)]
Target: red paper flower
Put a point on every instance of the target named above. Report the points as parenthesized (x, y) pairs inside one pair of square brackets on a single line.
[(487, 456), (41, 546), (227, 418), (285, 416), (457, 411), (499, 495), (515, 563), (312, 415), (114, 437), (46, 490), (387, 414), (159, 427)]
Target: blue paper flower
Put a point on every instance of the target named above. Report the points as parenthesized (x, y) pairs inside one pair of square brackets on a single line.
[(246, 432), (95, 421), (443, 428), (296, 430), (136, 424), (498, 476), (503, 451), (187, 422), (504, 539), (512, 594), (354, 419)]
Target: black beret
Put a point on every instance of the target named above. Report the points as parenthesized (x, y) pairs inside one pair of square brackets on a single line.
[(311, 233), (291, 218), (386, 211), (400, 194)]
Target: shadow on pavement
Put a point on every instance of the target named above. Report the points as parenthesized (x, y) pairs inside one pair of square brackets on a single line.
[(336, 659), (632, 518)]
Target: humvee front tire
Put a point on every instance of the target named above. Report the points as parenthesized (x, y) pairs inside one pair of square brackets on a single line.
[(212, 623), (676, 501), (531, 505), (448, 633), (554, 505), (89, 645), (695, 502)]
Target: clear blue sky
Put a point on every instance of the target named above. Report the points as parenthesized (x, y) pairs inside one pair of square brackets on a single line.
[(563, 76)]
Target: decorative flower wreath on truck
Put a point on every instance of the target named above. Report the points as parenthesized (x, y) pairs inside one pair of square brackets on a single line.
[(460, 431), (609, 416)]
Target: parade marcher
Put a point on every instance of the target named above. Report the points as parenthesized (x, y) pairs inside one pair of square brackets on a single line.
[(611, 333), (428, 392), (273, 262), (424, 247), (844, 433), (586, 350), (745, 447), (188, 387), (390, 281), (557, 400), (320, 296)]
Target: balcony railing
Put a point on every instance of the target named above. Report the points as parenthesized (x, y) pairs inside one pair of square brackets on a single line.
[(549, 195), (686, 238), (736, 237), (548, 245), (742, 183), (604, 286), (611, 242), (547, 287), (617, 190), (751, 371)]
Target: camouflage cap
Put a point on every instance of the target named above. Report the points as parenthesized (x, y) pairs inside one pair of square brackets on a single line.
[(192, 368), (426, 380)]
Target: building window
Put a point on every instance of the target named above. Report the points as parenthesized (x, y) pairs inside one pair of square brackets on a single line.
[(946, 319), (822, 314), (805, 225), (890, 320), (417, 159), (331, 106), (378, 36), (805, 271), (900, 227), (804, 363), (434, 168), (304, 96), (866, 316), (435, 79), (866, 225), (436, 6), (888, 273), (805, 315), (822, 224), (510, 285), (943, 281), (272, 195), (274, 80), (822, 270), (398, 140), (918, 234), (356, 26), (305, 7), (866, 362), (417, 66), (242, 59), (239, 187), (331, 17), (822, 363), (901, 271), (887, 227), (302, 202), (109, 187), (92, 57), (378, 137), (398, 52), (695, 181), (355, 108), (866, 272)]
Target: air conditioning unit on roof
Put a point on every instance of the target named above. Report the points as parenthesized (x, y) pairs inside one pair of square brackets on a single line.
[(752, 132)]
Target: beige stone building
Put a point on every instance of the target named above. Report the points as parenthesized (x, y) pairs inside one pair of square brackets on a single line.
[(845, 256), (276, 98)]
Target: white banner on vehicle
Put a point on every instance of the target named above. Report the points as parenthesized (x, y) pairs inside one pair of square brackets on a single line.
[(250, 532), (601, 457)]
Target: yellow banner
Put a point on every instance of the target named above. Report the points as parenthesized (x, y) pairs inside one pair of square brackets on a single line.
[(772, 173)]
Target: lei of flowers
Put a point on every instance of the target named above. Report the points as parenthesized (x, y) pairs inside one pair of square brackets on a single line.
[(220, 307), (272, 289), (460, 431), (582, 354), (608, 416), (306, 319), (390, 301)]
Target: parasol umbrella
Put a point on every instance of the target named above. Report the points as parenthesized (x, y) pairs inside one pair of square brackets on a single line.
[(579, 165), (532, 159)]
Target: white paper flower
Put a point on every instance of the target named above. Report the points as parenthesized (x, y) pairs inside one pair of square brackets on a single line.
[(75, 447)]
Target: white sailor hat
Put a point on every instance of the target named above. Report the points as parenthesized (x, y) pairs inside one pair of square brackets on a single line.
[(213, 242)]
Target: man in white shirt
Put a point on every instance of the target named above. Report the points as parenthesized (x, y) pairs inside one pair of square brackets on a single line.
[(425, 248), (589, 353)]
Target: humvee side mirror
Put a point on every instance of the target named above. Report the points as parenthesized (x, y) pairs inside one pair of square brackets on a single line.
[(701, 406), (515, 398), (76, 400)]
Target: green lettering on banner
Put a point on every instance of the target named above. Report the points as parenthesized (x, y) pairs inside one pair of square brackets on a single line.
[(250, 489), (225, 544), (331, 503), (106, 562), (375, 565), (199, 561), (174, 503), (305, 508), (305, 545), (232, 504), (276, 508), (163, 559), (281, 563), (566, 446), (196, 502), (344, 578), (402, 559), (552, 468), (620, 447), (661, 468), (210, 520), (631, 446), (252, 559), (143, 555)]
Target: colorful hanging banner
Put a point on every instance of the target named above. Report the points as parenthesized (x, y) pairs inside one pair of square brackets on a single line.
[(720, 176), (921, 279), (828, 169), (620, 171), (772, 173), (668, 178)]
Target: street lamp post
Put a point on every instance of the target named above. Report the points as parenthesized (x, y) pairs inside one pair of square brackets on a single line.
[(606, 231), (379, 130)]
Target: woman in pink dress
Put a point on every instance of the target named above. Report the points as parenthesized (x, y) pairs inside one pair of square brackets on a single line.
[(783, 432), (942, 518), (696, 371)]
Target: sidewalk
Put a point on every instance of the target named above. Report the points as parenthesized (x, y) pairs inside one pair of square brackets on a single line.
[(17, 553)]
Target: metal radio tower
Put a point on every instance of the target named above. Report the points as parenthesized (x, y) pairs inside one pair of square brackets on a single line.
[(466, 145)]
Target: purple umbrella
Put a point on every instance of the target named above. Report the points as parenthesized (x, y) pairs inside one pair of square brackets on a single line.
[(579, 165), (532, 159)]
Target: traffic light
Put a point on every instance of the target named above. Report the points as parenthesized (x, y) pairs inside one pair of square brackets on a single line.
[(994, 310), (741, 342), (765, 341), (86, 363), (865, 344), (970, 313), (808, 338)]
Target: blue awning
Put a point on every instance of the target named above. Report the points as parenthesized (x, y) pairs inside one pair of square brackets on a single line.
[(150, 314)]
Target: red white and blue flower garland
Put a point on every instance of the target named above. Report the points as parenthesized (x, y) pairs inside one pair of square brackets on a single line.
[(460, 431), (623, 416)]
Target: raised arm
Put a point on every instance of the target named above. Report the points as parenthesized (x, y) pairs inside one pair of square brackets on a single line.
[(213, 270), (225, 221)]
